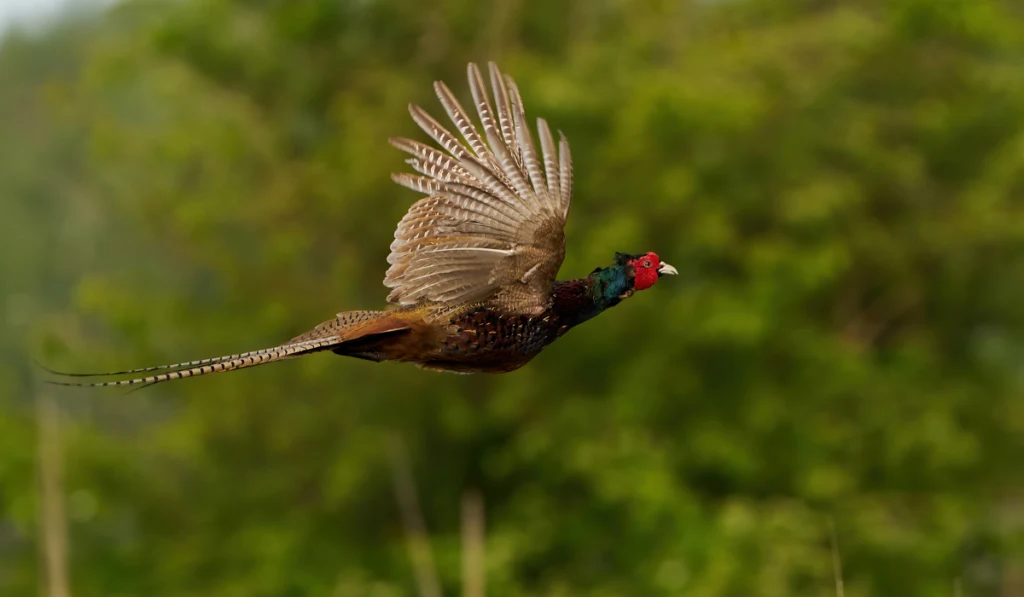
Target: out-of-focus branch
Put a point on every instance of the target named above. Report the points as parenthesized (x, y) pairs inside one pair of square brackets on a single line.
[(53, 519), (495, 33), (473, 526), (417, 540), (837, 561)]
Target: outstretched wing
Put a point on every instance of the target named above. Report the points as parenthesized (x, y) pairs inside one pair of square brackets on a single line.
[(492, 226)]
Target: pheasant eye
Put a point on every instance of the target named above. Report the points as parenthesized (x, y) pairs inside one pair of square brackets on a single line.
[(647, 263)]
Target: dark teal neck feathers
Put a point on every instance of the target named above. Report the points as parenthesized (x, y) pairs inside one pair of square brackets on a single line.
[(576, 301)]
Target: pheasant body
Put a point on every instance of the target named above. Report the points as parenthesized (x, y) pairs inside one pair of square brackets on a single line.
[(492, 341), (473, 263), (484, 339)]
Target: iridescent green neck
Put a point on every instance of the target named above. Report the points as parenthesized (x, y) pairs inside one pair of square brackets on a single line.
[(576, 301)]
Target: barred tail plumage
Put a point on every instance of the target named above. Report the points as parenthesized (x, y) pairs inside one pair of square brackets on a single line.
[(351, 329), (207, 366), (181, 365)]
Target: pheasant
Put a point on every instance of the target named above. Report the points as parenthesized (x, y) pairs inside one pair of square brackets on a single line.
[(473, 264)]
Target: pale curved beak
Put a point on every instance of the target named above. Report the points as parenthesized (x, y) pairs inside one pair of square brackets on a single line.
[(667, 270)]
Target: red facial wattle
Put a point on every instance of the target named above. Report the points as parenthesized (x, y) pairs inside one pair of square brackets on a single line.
[(646, 271)]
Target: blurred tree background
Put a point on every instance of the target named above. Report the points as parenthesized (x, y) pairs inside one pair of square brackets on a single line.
[(839, 184)]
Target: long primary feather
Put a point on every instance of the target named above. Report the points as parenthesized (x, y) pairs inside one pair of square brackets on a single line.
[(547, 145), (565, 173), (526, 147), (504, 109), (494, 137), (462, 122)]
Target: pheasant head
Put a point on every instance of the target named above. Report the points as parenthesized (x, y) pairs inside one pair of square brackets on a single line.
[(644, 269), (629, 273)]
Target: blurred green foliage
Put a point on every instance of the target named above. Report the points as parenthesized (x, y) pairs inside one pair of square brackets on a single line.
[(839, 184)]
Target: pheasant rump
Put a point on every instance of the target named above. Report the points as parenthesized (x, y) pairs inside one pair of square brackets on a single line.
[(473, 264)]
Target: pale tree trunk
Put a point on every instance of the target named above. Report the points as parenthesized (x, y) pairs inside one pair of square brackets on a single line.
[(53, 518), (473, 567), (416, 537)]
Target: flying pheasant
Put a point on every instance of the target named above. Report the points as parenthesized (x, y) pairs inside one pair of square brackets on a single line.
[(473, 263)]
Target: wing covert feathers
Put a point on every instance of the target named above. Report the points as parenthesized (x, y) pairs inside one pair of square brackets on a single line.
[(492, 225)]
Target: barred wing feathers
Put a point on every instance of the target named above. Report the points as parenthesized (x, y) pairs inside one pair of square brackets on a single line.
[(492, 225)]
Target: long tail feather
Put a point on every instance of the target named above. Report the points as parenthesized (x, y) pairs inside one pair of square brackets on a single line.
[(216, 365), (157, 367)]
